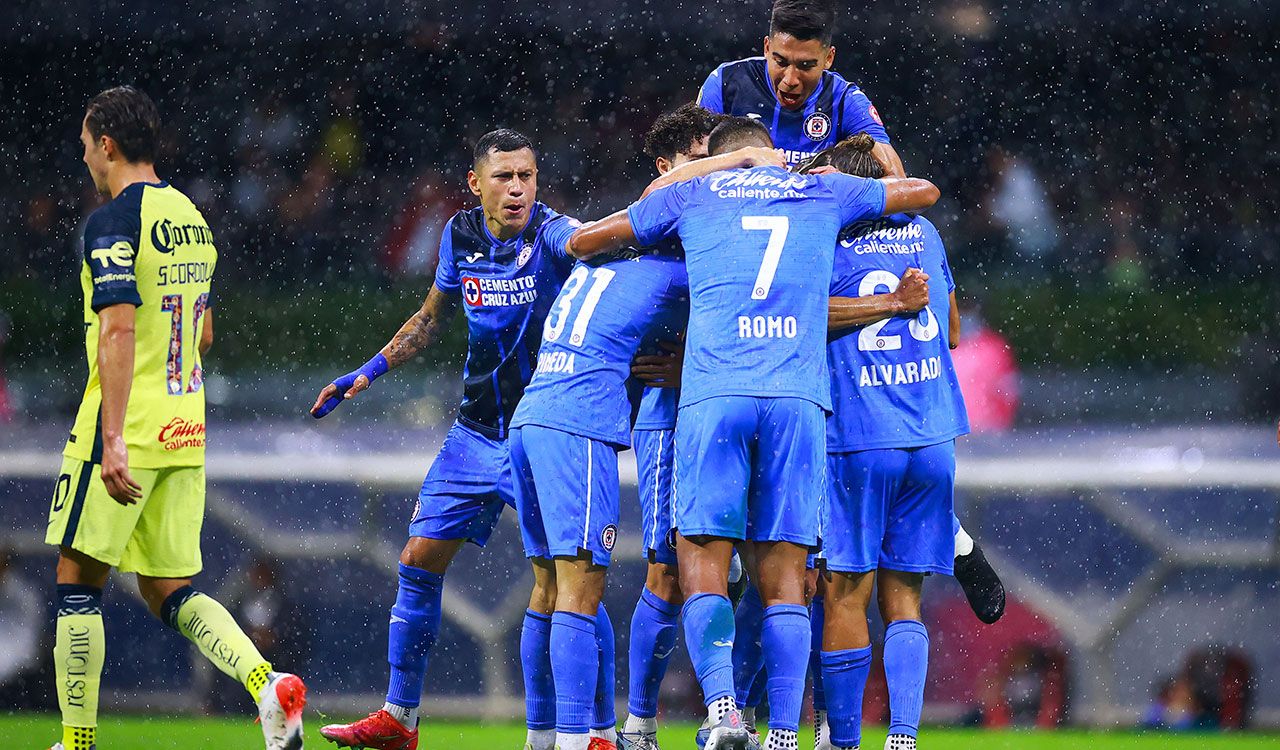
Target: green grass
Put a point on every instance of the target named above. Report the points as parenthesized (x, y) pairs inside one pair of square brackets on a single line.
[(157, 733)]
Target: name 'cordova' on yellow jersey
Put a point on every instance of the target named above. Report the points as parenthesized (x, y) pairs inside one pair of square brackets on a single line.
[(151, 248)]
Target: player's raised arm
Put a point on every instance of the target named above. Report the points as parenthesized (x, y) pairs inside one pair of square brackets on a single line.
[(911, 296), (421, 330), (743, 158), (613, 232), (908, 194)]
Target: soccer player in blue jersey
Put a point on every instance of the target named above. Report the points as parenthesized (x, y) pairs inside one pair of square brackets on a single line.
[(504, 261), (808, 108), (792, 90), (575, 416), (758, 249), (897, 411)]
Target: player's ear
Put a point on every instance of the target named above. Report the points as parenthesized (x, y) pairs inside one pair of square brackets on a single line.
[(831, 57), (663, 164), (473, 182), (766, 45)]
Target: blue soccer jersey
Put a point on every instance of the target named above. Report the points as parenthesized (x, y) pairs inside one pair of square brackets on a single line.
[(758, 247), (892, 382), (835, 110), (608, 309), (658, 408), (507, 289)]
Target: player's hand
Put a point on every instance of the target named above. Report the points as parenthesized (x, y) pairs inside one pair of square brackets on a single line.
[(913, 291), (824, 169), (661, 370), (759, 156), (332, 395), (121, 485)]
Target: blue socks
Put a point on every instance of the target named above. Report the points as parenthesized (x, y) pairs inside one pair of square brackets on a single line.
[(846, 673), (604, 713), (786, 639), (575, 664), (906, 660), (415, 622), (817, 618), (748, 659), (708, 632), (653, 637), (535, 659)]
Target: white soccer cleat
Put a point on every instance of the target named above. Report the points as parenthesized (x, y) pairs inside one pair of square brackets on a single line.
[(280, 710)]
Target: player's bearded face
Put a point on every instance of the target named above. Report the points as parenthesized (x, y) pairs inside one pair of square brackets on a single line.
[(795, 67), (507, 183)]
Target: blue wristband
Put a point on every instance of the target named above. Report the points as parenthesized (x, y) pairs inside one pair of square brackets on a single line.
[(373, 369)]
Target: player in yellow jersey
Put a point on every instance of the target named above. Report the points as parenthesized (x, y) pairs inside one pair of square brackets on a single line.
[(131, 491)]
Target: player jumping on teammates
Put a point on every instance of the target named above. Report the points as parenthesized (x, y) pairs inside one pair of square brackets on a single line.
[(750, 436), (890, 463), (132, 487), (505, 259), (807, 107)]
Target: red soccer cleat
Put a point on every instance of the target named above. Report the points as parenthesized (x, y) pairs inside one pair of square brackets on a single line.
[(599, 743), (378, 731)]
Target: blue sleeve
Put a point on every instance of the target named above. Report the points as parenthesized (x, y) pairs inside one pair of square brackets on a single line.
[(654, 217), (933, 242), (555, 233), (859, 198), (447, 269), (711, 95), (110, 248), (860, 116)]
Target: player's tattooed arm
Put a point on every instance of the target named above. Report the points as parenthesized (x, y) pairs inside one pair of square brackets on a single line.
[(953, 324), (115, 373), (422, 329), (751, 156), (911, 296)]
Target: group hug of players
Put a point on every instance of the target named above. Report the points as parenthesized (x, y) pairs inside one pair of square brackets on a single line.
[(768, 327)]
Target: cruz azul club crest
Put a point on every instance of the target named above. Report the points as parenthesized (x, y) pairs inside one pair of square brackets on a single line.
[(471, 290), (526, 253), (817, 126)]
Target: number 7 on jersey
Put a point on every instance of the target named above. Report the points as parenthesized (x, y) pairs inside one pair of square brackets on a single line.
[(777, 227)]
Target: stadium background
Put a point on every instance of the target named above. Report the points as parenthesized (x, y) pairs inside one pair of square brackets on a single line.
[(1110, 196)]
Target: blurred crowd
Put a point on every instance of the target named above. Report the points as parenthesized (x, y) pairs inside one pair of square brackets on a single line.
[(1109, 160)]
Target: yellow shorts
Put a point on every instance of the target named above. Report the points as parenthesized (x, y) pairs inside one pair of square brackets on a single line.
[(158, 536)]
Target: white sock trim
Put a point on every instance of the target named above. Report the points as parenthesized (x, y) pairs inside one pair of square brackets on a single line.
[(964, 542)]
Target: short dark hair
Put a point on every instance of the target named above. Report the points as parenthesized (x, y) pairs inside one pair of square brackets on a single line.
[(851, 156), (804, 19), (502, 139), (675, 132), (736, 132), (130, 118)]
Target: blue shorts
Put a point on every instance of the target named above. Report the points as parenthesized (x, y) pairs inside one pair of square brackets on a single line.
[(566, 493), (466, 488), (892, 509), (751, 468), (655, 467)]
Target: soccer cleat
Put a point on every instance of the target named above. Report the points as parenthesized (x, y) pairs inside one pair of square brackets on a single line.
[(638, 741), (899, 742), (729, 734), (982, 587), (280, 711), (378, 731), (600, 743)]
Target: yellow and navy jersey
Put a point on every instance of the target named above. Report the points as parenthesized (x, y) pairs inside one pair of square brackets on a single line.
[(150, 248)]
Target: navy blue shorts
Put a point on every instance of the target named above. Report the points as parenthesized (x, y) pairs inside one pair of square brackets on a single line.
[(566, 493), (466, 488), (751, 468), (655, 469), (892, 509)]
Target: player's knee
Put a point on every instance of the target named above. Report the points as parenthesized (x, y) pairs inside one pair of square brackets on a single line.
[(431, 555), (154, 591), (663, 581)]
